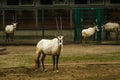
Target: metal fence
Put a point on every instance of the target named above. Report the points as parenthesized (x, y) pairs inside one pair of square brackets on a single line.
[(35, 24)]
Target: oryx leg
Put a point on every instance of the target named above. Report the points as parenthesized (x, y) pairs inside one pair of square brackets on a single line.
[(117, 35), (7, 37), (91, 39), (53, 62), (12, 36), (83, 41), (57, 59), (37, 61), (107, 35), (42, 60)]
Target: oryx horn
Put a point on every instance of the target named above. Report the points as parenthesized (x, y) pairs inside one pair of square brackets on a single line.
[(57, 25), (61, 24)]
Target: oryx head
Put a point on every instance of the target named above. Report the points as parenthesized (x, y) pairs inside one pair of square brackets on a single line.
[(59, 37), (14, 21), (14, 25), (96, 28)]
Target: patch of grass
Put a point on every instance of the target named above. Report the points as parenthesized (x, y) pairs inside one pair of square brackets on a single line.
[(24, 60), (118, 79), (29, 60), (91, 57), (95, 57), (2, 62), (111, 42)]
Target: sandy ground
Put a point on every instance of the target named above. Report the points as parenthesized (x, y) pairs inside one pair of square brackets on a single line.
[(13, 67)]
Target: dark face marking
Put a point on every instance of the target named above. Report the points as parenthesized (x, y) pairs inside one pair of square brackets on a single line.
[(60, 40)]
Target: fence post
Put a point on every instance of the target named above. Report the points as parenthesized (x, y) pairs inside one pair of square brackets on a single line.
[(78, 21), (98, 11), (71, 18), (80, 24)]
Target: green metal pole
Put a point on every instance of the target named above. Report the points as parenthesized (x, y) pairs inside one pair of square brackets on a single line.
[(78, 20), (75, 24), (98, 11), (80, 24), (95, 22), (71, 16), (43, 23)]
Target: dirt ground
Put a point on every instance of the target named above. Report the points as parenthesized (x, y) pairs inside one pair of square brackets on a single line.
[(17, 63)]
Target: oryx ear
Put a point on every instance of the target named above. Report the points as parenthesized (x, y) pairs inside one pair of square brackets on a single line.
[(62, 37), (96, 26), (58, 37)]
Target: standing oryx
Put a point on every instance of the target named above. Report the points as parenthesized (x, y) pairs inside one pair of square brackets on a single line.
[(111, 27), (88, 33), (51, 47), (10, 29)]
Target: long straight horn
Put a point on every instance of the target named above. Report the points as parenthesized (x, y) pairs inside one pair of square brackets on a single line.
[(61, 25), (57, 25)]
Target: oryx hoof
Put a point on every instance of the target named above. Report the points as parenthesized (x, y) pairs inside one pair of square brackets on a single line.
[(45, 70), (56, 71)]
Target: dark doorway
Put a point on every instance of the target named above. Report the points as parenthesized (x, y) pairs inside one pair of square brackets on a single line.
[(12, 2), (47, 2), (80, 1), (115, 1)]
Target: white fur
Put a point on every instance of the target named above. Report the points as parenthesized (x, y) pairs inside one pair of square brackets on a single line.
[(49, 47), (111, 26), (10, 28), (89, 32)]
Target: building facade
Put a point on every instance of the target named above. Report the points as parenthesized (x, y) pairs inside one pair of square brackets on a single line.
[(40, 14), (27, 12)]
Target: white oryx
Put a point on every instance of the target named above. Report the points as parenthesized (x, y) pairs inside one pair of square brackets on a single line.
[(112, 27), (51, 47), (88, 33), (9, 30)]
